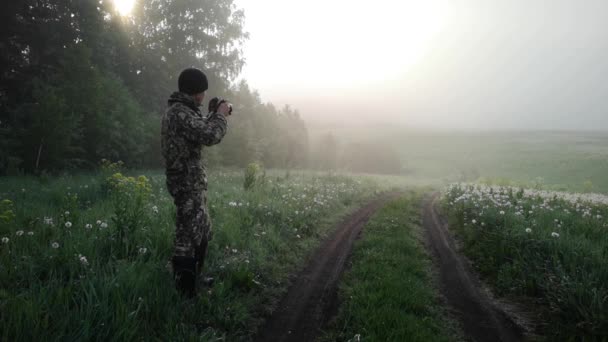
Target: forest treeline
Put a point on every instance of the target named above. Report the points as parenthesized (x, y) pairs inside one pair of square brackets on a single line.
[(80, 83)]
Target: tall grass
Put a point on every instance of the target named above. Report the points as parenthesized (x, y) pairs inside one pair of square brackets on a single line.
[(552, 247), (85, 257), (388, 294)]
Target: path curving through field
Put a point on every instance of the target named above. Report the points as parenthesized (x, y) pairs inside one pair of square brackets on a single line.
[(480, 318), (312, 298)]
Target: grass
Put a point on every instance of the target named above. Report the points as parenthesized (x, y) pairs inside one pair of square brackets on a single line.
[(550, 248), (388, 293), (565, 161), (111, 282)]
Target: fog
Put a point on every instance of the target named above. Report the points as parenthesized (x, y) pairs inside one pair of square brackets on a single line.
[(447, 65)]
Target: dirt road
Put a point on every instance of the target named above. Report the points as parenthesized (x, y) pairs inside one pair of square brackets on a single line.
[(480, 318), (312, 298)]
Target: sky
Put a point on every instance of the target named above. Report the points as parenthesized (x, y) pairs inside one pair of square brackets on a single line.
[(438, 64)]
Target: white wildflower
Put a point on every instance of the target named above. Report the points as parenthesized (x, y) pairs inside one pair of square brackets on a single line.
[(67, 213), (98, 222), (55, 245), (68, 224), (88, 226), (104, 225), (555, 235), (19, 233), (48, 220), (143, 250), (298, 236), (473, 221), (528, 230), (234, 250), (155, 209), (502, 212), (232, 204), (5, 240), (30, 233), (83, 259)]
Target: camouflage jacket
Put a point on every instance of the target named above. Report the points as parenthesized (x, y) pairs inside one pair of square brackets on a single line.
[(184, 131)]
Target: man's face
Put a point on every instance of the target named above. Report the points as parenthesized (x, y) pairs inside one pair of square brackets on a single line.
[(199, 98)]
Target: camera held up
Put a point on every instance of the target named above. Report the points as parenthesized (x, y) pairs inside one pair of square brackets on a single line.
[(214, 105)]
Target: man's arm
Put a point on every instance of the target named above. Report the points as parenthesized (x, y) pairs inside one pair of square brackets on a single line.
[(208, 132)]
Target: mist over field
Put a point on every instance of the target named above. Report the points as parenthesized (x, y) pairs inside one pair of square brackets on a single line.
[(350, 87), (449, 65), (304, 170)]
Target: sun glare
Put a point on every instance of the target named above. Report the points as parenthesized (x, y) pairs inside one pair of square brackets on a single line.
[(124, 7), (333, 46)]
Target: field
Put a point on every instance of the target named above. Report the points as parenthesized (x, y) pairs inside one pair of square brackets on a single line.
[(549, 247), (86, 256), (386, 294), (562, 161)]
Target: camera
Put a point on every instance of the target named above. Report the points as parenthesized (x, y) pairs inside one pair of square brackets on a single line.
[(214, 105)]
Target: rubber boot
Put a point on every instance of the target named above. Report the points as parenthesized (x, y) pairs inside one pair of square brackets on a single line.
[(200, 254), (184, 273)]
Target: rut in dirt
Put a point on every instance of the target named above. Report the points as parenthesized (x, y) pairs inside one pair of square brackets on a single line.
[(480, 317), (312, 298)]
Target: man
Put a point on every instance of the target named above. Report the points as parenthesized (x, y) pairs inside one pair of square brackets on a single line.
[(184, 131)]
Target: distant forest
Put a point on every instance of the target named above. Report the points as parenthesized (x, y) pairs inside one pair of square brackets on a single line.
[(80, 83)]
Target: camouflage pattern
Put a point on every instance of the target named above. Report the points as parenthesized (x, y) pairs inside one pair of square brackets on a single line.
[(184, 132)]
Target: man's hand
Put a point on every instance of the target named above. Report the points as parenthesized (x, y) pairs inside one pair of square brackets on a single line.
[(225, 109)]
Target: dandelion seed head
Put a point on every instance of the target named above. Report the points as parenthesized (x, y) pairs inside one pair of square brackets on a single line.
[(68, 224), (19, 233), (83, 260), (55, 245), (5, 240)]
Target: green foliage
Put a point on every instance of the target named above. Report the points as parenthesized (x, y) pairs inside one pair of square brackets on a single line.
[(50, 130), (130, 199), (387, 294), (7, 214), (108, 271), (109, 167), (252, 176), (550, 247)]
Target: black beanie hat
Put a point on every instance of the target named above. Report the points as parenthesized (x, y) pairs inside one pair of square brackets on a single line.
[(192, 81)]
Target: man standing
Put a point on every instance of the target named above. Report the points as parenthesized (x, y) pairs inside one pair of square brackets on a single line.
[(184, 131)]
